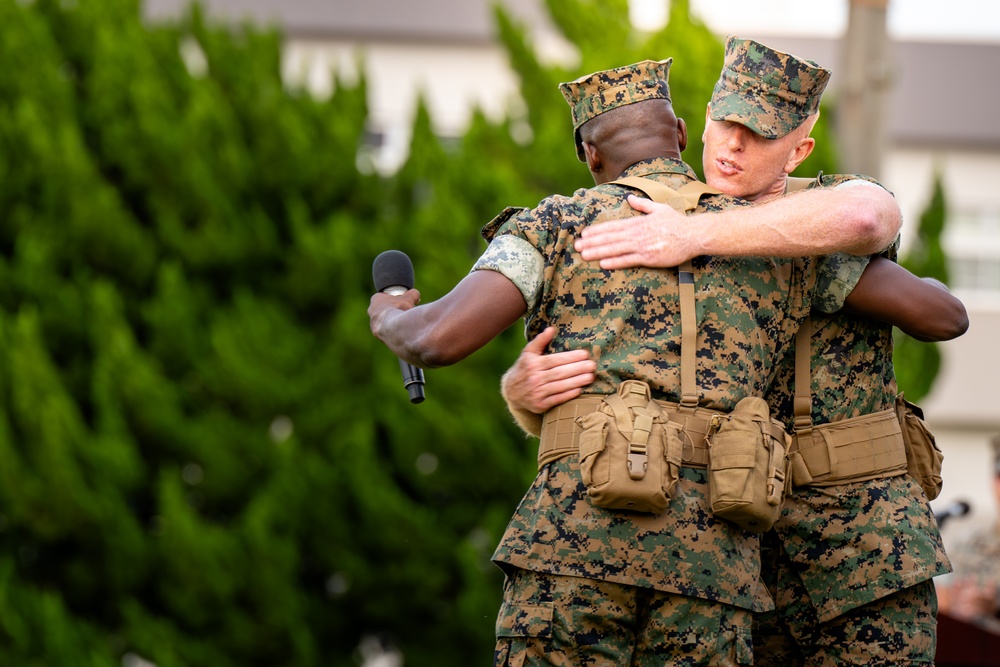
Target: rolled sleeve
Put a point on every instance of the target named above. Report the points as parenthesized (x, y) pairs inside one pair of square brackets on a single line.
[(519, 261), (838, 274)]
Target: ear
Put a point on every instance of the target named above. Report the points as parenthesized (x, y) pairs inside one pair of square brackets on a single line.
[(708, 119), (593, 156), (682, 134), (799, 153)]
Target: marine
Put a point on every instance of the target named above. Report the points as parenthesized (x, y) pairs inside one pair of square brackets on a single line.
[(586, 583)]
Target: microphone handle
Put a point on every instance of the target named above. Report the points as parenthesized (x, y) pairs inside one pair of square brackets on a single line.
[(413, 377), (413, 381)]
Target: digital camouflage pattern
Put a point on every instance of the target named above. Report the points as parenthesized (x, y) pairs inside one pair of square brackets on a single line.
[(768, 91), (572, 621), (855, 543), (852, 544), (748, 310), (897, 629), (596, 93)]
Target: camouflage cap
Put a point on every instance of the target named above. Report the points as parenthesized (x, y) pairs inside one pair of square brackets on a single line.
[(593, 94), (768, 91)]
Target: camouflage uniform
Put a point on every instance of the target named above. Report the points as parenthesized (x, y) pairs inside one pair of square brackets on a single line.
[(851, 564), (588, 585)]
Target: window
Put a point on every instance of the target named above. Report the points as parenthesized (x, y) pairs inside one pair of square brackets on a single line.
[(972, 243)]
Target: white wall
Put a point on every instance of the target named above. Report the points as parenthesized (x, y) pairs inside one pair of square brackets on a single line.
[(452, 81)]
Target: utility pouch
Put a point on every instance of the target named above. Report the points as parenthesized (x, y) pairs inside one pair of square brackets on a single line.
[(923, 457), (630, 453), (747, 466)]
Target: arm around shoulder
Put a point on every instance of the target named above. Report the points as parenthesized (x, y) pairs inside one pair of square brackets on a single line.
[(857, 219)]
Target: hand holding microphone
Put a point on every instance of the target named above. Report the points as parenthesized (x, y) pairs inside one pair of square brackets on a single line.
[(392, 273)]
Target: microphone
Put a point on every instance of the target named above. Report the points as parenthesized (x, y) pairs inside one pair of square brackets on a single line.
[(392, 272), (956, 509)]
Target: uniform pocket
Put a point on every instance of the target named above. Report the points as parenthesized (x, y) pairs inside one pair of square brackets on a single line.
[(524, 620), (519, 626)]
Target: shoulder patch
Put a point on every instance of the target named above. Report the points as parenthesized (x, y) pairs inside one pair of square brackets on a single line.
[(491, 227)]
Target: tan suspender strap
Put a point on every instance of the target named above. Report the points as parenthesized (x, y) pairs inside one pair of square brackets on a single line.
[(689, 333), (803, 377), (794, 183), (657, 191), (685, 199), (560, 432), (694, 191), (853, 450)]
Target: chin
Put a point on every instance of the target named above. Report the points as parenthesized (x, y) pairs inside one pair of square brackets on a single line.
[(725, 185)]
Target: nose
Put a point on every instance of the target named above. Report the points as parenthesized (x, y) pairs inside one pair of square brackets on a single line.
[(736, 137)]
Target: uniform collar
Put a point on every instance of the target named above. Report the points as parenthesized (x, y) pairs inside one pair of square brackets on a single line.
[(660, 165)]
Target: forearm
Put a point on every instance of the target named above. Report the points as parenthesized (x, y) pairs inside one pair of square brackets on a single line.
[(923, 308), (419, 336), (858, 220), (448, 330)]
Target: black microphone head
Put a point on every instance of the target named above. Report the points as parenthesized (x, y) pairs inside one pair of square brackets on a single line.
[(392, 268), (962, 508)]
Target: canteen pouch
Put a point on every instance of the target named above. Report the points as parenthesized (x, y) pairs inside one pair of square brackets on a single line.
[(923, 457), (630, 453), (747, 466)]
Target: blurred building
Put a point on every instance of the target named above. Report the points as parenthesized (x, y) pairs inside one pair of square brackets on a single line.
[(941, 109)]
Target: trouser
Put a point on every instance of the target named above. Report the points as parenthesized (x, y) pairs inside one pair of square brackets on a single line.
[(899, 629), (575, 622)]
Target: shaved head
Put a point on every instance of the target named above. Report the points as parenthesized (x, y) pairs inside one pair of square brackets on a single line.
[(635, 132)]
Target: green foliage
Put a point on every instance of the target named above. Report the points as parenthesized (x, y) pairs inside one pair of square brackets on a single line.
[(205, 457), (917, 364)]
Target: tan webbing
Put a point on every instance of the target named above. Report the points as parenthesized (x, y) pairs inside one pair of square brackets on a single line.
[(853, 450), (794, 183), (658, 192), (689, 333), (803, 378), (560, 432), (685, 199)]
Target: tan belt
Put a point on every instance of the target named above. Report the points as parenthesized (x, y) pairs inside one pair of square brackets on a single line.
[(853, 450), (560, 432)]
